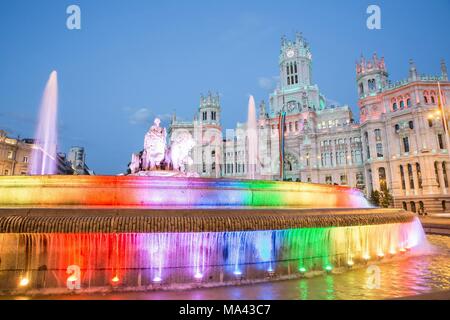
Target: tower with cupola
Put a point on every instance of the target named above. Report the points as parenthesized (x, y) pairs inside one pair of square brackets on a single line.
[(209, 109), (371, 79), (296, 91), (295, 63)]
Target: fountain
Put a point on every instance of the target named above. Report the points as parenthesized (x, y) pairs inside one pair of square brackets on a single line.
[(252, 136), (151, 230), (43, 157)]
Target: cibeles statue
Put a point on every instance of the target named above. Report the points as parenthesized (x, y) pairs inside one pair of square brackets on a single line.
[(159, 160), (154, 146)]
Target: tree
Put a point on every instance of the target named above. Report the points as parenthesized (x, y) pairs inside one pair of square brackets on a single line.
[(382, 198), (386, 199), (375, 197)]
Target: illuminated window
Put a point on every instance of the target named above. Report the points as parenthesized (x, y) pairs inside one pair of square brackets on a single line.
[(379, 150)]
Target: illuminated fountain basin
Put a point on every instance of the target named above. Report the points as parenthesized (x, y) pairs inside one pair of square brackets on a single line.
[(146, 246), (171, 191)]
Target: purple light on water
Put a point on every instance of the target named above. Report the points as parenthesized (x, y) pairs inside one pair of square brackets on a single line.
[(43, 157), (198, 276)]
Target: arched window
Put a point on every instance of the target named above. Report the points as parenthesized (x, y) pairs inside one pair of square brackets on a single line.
[(444, 206), (371, 85), (408, 102), (394, 106), (413, 206), (405, 207), (402, 175), (410, 176), (361, 88), (436, 173), (444, 173), (432, 97), (425, 96), (402, 105), (419, 175), (421, 207), (382, 176)]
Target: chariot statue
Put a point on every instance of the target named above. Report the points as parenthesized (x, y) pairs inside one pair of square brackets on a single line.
[(157, 159)]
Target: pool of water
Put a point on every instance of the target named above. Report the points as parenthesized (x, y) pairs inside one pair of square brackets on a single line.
[(410, 277)]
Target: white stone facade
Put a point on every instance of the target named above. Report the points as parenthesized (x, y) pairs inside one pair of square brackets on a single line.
[(401, 130)]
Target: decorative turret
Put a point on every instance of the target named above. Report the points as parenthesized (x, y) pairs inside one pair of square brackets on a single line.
[(412, 71), (371, 76), (209, 110), (262, 110), (444, 70)]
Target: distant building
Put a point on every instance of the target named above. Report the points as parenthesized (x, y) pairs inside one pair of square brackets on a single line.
[(400, 140), (15, 157), (77, 160)]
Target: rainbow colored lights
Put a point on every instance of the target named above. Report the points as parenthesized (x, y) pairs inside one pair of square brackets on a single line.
[(119, 191), (146, 259)]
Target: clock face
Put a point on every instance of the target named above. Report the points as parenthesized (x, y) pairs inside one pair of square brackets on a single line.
[(290, 53)]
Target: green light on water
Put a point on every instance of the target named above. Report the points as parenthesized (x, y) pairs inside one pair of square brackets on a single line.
[(302, 269)]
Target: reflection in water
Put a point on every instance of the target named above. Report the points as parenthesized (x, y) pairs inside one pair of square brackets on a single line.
[(414, 276)]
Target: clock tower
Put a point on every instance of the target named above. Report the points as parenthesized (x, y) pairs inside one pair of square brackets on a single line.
[(295, 62), (296, 93)]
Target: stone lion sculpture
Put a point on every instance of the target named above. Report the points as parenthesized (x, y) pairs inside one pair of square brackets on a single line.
[(179, 151)]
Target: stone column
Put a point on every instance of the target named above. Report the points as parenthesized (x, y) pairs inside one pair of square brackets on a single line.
[(429, 183)]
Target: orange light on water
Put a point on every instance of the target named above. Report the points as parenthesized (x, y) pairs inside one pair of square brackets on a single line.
[(24, 282)]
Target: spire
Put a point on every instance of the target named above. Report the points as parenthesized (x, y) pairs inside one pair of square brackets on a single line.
[(412, 70), (444, 70), (283, 41), (262, 109)]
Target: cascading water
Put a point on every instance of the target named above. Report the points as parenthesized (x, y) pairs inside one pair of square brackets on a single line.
[(252, 137), (52, 261), (43, 158)]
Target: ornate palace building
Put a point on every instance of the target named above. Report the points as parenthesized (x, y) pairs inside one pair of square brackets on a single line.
[(400, 140)]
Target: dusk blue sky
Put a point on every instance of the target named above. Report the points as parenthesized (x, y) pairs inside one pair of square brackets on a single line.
[(159, 56)]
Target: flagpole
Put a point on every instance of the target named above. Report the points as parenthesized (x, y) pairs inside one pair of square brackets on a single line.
[(444, 118)]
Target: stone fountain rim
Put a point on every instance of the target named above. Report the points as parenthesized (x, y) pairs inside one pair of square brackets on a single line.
[(88, 220)]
